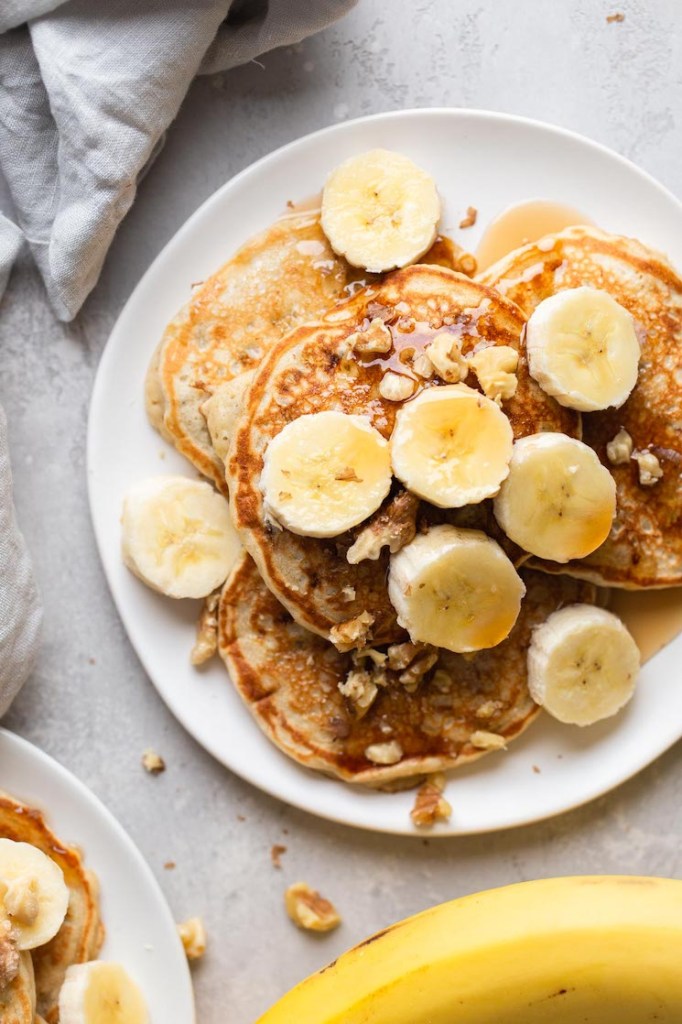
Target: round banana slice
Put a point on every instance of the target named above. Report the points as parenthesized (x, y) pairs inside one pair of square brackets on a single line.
[(455, 589), (178, 536), (324, 473), (380, 210), (558, 501), (35, 896), (582, 664), (101, 993), (451, 446), (583, 349)]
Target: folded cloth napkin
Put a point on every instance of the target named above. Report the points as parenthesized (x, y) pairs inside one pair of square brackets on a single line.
[(87, 91)]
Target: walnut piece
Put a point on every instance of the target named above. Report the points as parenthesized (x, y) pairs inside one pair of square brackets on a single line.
[(193, 937), (384, 753), (310, 911), (466, 264), (353, 632), (483, 740), (9, 957), (488, 708), (395, 387), (650, 469), (206, 643), (348, 593), (412, 676), (445, 353), (402, 655), (360, 688), (430, 805), (276, 851), (153, 763), (375, 338), (616, 18), (495, 367), (470, 219), (394, 525), (422, 365), (619, 448)]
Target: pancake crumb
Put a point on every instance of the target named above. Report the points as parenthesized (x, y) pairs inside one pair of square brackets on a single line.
[(309, 910), (430, 806), (153, 763), (206, 643), (169, 865), (469, 220), (276, 851)]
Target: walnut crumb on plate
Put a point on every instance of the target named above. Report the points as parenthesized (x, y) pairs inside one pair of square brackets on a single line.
[(430, 806), (276, 852), (153, 763), (469, 220), (310, 911), (193, 937)]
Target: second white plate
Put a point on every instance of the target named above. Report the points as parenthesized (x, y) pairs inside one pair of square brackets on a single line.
[(480, 159), (140, 932)]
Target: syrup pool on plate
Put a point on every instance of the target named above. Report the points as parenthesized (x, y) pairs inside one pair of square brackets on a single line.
[(523, 223), (654, 617)]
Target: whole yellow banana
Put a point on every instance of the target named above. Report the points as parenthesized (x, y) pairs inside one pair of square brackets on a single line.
[(587, 950)]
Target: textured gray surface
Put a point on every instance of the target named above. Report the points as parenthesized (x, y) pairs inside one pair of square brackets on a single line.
[(89, 703)]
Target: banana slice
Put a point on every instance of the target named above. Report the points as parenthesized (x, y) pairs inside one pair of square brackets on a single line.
[(455, 589), (380, 210), (35, 896), (582, 664), (583, 349), (178, 536), (324, 473), (100, 993), (451, 446), (558, 501)]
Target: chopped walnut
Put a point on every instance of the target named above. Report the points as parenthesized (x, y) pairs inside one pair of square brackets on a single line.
[(375, 338), (616, 18), (495, 368), (360, 688), (470, 219), (276, 851), (153, 763), (310, 911), (395, 387), (21, 900), (487, 740), (619, 449), (403, 308), (193, 937), (445, 353), (353, 632), (10, 960), (394, 525), (376, 657), (488, 708), (348, 594), (650, 469), (442, 680), (402, 655), (412, 676), (348, 473), (422, 366), (384, 753), (430, 805), (206, 643)]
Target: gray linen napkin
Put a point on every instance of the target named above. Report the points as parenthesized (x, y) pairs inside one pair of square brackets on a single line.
[(87, 91)]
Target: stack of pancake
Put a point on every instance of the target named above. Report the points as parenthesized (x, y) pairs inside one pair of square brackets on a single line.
[(263, 342), (33, 995)]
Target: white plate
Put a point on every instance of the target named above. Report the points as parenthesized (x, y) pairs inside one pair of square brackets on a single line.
[(140, 932), (485, 160)]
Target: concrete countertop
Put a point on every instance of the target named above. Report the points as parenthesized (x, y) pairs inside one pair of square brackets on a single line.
[(89, 703)]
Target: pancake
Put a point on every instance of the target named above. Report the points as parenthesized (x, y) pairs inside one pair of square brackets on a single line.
[(81, 935), (308, 371), (644, 548), (289, 678), (283, 277), (18, 998)]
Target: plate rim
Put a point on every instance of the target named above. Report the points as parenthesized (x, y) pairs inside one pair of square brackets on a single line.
[(92, 805), (232, 183)]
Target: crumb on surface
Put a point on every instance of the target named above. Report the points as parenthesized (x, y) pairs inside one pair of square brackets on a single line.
[(240, 817), (276, 851), (469, 219), (169, 865), (193, 937), (536, 769), (430, 806), (153, 763), (615, 18), (309, 910), (206, 643)]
